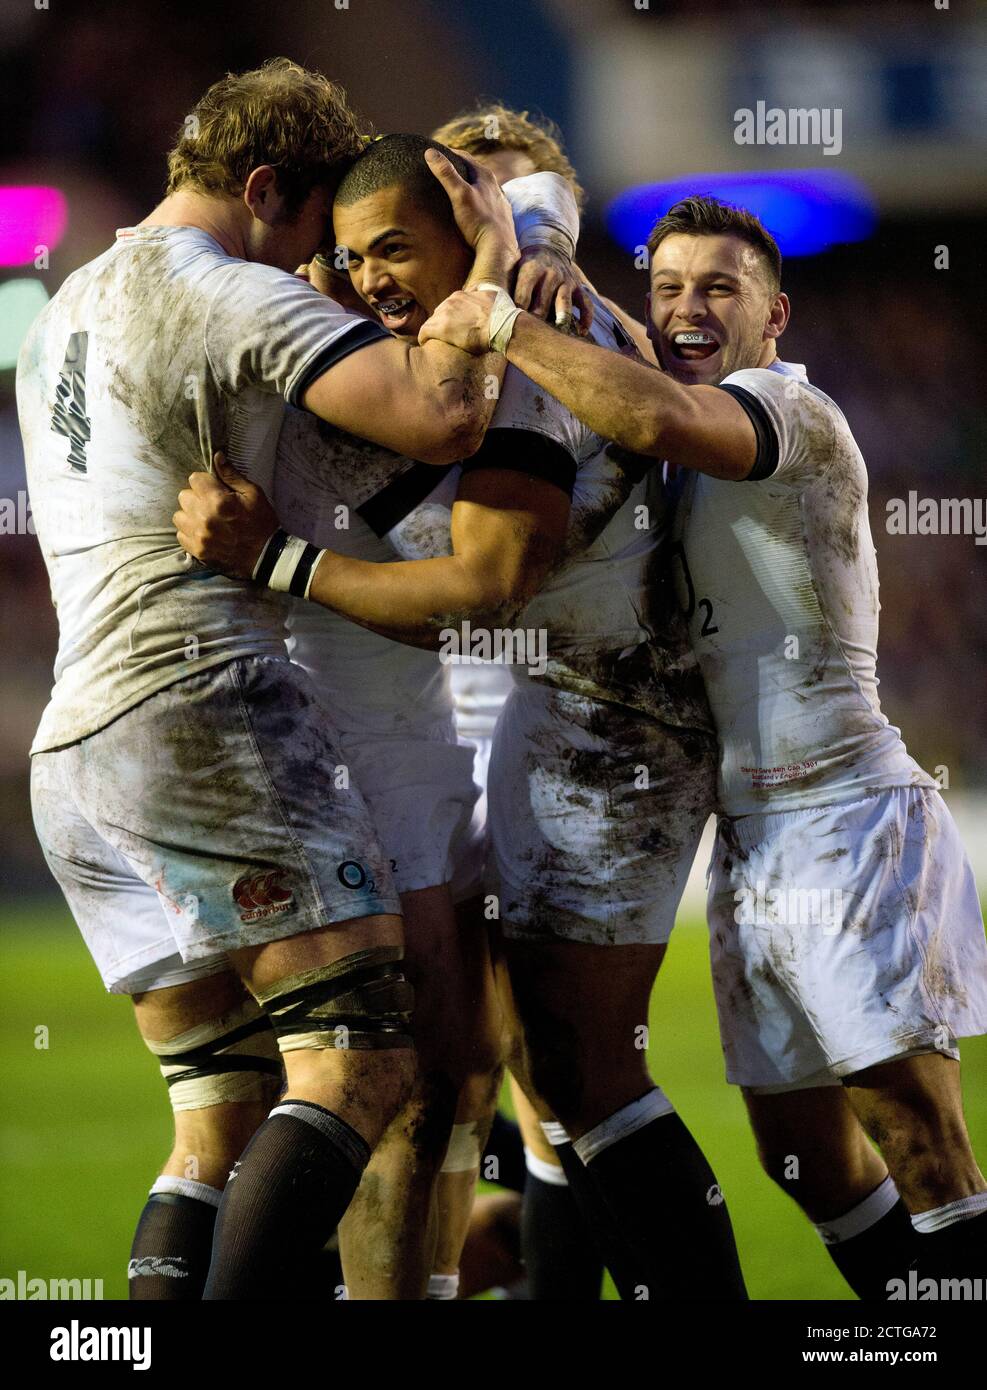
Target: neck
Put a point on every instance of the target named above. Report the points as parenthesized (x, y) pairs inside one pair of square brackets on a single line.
[(769, 353), (217, 216)]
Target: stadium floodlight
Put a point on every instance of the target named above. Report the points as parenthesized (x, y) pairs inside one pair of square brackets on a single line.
[(33, 219), (805, 210)]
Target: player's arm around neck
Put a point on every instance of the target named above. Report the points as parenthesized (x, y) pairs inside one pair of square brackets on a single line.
[(638, 407), (431, 403)]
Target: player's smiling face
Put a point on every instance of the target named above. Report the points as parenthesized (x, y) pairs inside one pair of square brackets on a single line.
[(711, 308), (403, 261)]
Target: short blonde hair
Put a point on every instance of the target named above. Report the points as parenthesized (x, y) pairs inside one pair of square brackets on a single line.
[(279, 114), (487, 129)]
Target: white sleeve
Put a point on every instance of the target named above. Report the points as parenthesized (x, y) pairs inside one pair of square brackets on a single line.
[(803, 423), (525, 406), (268, 329), (545, 212)]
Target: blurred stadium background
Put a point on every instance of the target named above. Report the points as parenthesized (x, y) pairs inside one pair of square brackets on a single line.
[(644, 91)]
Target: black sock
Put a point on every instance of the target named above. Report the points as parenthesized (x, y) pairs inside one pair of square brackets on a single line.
[(282, 1201), (507, 1147), (871, 1258), (958, 1251), (666, 1202), (559, 1254), (606, 1236), (169, 1259)]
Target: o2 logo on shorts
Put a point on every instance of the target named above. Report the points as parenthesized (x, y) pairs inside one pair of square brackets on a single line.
[(262, 895), (353, 875)]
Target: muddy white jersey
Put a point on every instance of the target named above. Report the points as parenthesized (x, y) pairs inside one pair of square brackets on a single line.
[(778, 578), (332, 489), (148, 359), (611, 625)]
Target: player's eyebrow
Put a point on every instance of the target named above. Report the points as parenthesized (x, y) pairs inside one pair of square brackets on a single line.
[(391, 231), (710, 275)]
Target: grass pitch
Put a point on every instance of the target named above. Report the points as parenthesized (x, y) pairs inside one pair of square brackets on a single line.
[(85, 1122)]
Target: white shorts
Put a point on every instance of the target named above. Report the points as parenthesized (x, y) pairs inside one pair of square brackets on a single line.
[(205, 819), (392, 709), (596, 812), (480, 693), (421, 795), (843, 936)]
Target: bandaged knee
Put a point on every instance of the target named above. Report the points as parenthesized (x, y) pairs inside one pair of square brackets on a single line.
[(361, 1001), (231, 1058)]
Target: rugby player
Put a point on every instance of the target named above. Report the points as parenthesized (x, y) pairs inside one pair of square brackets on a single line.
[(560, 1255), (580, 865), (185, 796), (838, 1020), (392, 709)]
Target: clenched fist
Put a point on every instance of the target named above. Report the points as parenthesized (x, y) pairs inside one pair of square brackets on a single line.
[(224, 520), (462, 320)]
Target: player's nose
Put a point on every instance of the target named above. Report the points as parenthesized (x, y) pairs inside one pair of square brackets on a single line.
[(377, 280), (691, 307)]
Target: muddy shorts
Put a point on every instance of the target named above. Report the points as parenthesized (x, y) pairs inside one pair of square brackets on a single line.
[(207, 818), (480, 693), (843, 936), (595, 815), (421, 796)]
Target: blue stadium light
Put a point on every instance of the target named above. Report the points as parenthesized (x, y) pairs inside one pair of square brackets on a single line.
[(805, 210)]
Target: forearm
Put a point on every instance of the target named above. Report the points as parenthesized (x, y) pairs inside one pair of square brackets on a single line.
[(466, 389), (410, 601), (469, 386), (618, 398)]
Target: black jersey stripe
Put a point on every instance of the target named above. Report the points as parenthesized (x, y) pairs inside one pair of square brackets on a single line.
[(526, 451), (767, 440), (402, 495), (360, 335)]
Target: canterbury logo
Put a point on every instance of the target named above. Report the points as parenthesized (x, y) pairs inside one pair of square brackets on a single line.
[(171, 1267), (262, 895)]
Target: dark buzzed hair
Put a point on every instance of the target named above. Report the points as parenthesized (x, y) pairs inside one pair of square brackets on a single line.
[(399, 161), (704, 215)]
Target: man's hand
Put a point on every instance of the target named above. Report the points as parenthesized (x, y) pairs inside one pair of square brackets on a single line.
[(548, 286), (322, 275), (463, 320), (482, 212), (223, 520)]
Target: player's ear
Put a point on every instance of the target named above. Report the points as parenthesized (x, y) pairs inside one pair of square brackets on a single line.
[(777, 322), (261, 194)]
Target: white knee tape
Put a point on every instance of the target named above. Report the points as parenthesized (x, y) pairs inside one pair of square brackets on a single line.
[(464, 1151), (232, 1058)]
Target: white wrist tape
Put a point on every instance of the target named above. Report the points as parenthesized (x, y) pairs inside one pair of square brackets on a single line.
[(502, 317), (287, 564), (545, 212)]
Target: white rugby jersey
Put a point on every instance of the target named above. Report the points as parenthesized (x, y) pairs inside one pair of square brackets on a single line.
[(324, 477), (779, 581), (608, 612), (148, 359)]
